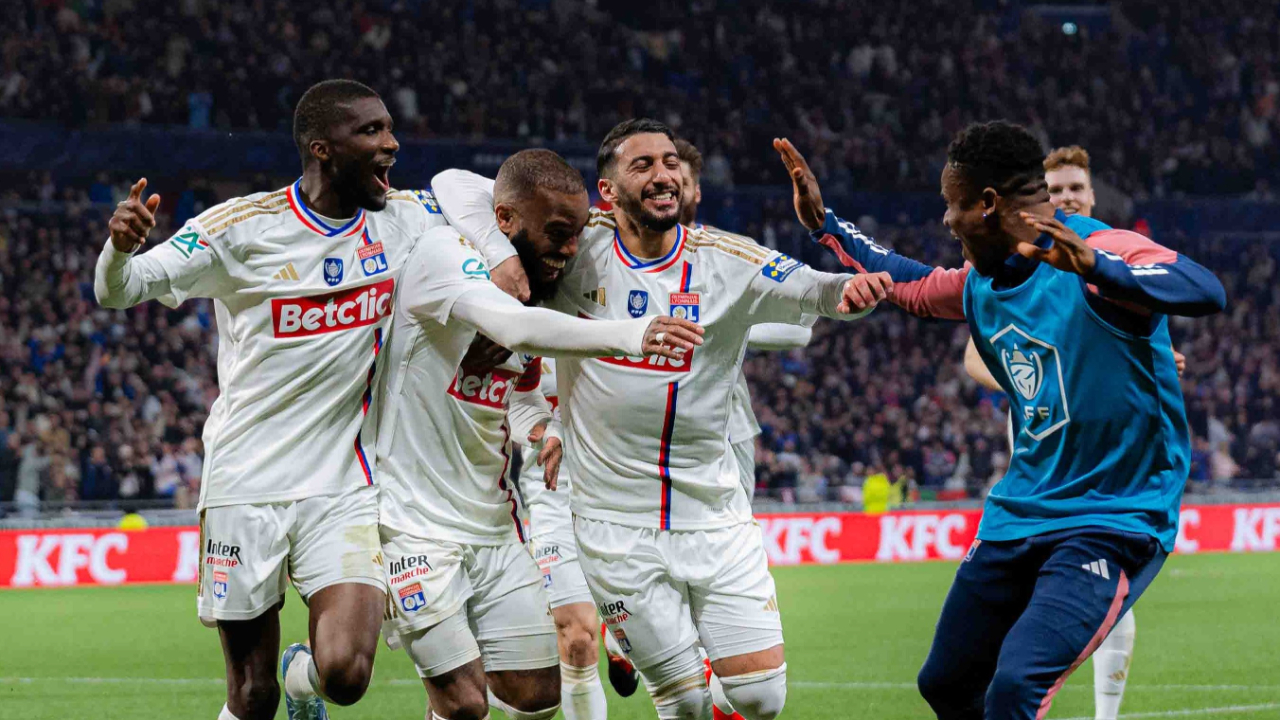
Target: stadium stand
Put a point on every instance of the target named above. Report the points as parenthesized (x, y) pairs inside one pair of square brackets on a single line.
[(1171, 98)]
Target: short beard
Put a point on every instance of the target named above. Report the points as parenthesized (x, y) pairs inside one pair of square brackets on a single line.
[(347, 185), (634, 207), (539, 290)]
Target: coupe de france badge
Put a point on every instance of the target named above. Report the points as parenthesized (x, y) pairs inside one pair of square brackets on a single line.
[(372, 259), (684, 306), (333, 270), (637, 303)]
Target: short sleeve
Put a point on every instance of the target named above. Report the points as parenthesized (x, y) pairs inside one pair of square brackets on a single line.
[(442, 267)]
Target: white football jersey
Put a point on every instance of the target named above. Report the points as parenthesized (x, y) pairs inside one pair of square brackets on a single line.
[(742, 419), (647, 439), (547, 508), (443, 448), (303, 304)]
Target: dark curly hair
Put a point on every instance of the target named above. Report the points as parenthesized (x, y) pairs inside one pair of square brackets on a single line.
[(607, 157), (999, 155)]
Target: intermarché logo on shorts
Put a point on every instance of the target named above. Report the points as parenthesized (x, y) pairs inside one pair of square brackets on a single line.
[(220, 554), (613, 612), (407, 567)]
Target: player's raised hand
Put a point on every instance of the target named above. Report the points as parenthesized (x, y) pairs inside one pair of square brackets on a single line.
[(1180, 362), (671, 337), (510, 277), (804, 185), (133, 219), (1068, 253), (550, 457), (863, 292)]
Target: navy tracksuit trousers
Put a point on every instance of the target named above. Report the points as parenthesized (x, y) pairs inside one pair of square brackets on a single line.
[(1023, 614)]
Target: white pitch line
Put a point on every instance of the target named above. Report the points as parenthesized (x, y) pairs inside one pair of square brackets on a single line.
[(1230, 709), (807, 684)]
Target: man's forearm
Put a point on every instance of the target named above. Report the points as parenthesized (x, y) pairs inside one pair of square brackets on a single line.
[(122, 280), (539, 331)]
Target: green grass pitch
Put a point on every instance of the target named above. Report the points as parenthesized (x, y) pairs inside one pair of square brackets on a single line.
[(1207, 647)]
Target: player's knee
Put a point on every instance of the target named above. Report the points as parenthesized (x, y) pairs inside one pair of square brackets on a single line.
[(939, 688), (256, 698), (579, 645), (757, 695), (345, 683)]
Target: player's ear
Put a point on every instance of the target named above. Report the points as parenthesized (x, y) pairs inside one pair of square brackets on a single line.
[(506, 215), (605, 186), (697, 193), (319, 150)]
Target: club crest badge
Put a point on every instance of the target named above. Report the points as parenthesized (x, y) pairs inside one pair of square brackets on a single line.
[(333, 271), (637, 303), (220, 585), (372, 259), (412, 598), (685, 306), (1025, 370)]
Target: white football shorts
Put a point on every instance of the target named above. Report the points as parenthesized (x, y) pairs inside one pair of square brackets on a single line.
[(498, 588), (556, 553), (249, 553), (659, 592)]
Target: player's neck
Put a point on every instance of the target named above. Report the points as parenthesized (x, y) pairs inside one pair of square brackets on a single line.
[(320, 196), (643, 242)]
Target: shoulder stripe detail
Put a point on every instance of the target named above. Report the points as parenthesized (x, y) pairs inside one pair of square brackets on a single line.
[(754, 252), (218, 212), (241, 218), (753, 259), (740, 242)]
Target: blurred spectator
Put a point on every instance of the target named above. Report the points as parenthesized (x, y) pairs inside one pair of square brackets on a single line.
[(1171, 97)]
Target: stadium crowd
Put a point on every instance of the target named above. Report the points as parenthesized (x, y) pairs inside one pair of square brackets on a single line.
[(1172, 97), (108, 406)]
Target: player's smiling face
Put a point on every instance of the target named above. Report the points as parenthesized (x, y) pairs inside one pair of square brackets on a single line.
[(981, 219), (645, 182), (362, 150), (1071, 190), (544, 229)]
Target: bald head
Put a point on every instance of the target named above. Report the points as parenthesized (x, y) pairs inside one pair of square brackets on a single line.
[(527, 172), (541, 205)]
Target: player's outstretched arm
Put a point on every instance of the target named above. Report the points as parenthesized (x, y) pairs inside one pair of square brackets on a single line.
[(466, 199), (921, 289), (781, 336), (538, 331), (1126, 266), (181, 267)]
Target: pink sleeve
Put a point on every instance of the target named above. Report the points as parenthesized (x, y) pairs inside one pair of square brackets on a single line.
[(1131, 247), (939, 294)]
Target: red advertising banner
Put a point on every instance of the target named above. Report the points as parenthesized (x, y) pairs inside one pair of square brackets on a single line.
[(61, 558)]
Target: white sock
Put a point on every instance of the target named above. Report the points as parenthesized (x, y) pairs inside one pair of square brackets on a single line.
[(718, 698), (302, 682), (226, 714), (434, 716), (581, 694), (1111, 668)]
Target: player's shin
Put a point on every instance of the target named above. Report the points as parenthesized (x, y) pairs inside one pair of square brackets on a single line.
[(582, 695), (1111, 668)]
